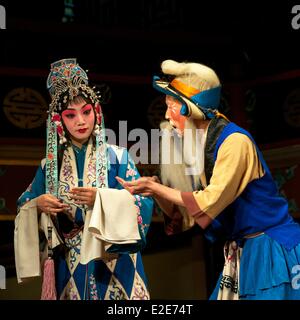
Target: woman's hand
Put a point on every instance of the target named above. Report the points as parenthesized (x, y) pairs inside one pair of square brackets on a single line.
[(51, 205), (84, 195), (144, 186)]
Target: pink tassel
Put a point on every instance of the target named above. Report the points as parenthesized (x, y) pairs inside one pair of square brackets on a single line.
[(48, 287)]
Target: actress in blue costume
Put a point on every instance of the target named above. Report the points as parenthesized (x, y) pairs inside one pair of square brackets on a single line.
[(75, 212), (230, 195)]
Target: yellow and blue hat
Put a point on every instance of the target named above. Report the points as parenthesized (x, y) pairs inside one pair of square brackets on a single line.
[(188, 87)]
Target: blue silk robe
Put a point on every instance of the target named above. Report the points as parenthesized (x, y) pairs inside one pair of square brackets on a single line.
[(116, 279)]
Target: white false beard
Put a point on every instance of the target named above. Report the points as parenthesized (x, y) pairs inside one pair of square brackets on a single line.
[(182, 157), (182, 162)]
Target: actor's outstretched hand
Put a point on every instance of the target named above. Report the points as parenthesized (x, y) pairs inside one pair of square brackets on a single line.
[(144, 186)]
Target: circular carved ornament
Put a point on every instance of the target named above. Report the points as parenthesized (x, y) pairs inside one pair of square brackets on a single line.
[(25, 108)]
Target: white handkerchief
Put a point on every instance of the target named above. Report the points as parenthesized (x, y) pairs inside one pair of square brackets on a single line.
[(114, 217)]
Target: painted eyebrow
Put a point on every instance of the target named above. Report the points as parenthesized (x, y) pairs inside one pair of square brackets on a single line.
[(80, 108), (86, 105)]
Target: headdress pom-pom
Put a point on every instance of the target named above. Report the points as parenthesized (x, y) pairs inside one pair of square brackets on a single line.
[(62, 140), (96, 130)]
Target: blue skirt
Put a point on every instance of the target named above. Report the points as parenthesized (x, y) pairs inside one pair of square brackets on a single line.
[(268, 271)]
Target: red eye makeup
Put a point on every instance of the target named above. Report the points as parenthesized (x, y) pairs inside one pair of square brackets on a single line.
[(87, 107), (68, 113)]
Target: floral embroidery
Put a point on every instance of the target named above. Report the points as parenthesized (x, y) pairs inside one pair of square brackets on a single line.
[(139, 204), (142, 225), (74, 242), (138, 199), (72, 259), (116, 292), (73, 254), (140, 292), (70, 292), (50, 156), (139, 219), (67, 170), (133, 173), (91, 172), (93, 288), (130, 173), (131, 170)]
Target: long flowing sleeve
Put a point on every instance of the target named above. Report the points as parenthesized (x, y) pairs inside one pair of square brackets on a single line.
[(27, 226), (128, 171)]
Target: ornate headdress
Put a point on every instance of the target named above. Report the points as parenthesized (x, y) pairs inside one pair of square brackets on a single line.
[(65, 81)]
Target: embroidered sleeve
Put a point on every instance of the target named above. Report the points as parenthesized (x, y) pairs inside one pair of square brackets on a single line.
[(237, 164)]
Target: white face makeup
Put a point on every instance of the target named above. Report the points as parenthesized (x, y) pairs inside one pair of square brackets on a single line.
[(173, 114)]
